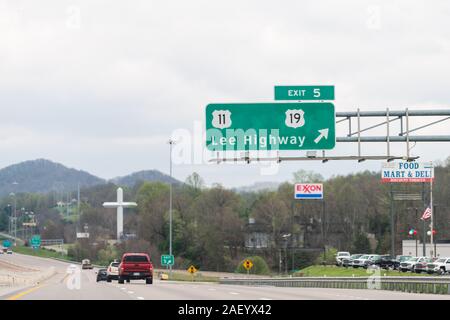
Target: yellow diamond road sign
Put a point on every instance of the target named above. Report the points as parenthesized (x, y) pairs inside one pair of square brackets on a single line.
[(192, 269), (248, 264)]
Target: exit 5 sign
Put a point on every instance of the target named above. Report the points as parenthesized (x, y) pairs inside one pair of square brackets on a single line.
[(304, 92)]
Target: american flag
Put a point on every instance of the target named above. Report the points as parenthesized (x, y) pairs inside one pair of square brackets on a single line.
[(427, 214)]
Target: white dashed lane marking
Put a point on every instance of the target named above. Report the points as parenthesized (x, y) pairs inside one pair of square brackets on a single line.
[(235, 293), (140, 298), (130, 292)]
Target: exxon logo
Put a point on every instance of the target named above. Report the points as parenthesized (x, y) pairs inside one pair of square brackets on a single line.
[(309, 191)]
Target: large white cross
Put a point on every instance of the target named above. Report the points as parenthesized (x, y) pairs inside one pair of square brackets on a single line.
[(119, 205)]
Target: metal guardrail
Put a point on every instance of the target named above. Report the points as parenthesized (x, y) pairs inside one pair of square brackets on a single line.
[(435, 285)]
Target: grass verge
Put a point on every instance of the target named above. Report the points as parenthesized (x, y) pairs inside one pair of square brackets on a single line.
[(334, 271), (43, 253)]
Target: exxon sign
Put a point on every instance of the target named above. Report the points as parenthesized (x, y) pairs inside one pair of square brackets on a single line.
[(309, 191)]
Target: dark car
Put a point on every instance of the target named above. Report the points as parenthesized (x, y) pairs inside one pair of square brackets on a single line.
[(386, 262), (102, 275)]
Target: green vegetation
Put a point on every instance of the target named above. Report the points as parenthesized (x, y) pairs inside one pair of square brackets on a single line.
[(328, 257), (334, 271), (44, 253), (259, 266)]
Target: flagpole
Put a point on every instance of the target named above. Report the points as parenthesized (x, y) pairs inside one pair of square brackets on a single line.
[(432, 213)]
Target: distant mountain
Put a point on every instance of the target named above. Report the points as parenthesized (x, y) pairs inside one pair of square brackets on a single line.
[(259, 186), (145, 175), (42, 176)]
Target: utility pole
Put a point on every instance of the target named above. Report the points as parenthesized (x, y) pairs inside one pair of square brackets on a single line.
[(392, 224), (417, 235), (171, 143), (13, 228), (78, 202)]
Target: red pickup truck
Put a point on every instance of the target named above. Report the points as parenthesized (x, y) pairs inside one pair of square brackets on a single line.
[(136, 266)]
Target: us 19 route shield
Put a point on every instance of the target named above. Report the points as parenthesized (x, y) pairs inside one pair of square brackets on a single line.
[(270, 126)]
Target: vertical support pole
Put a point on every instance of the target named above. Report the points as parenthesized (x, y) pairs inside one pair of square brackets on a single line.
[(78, 202), (359, 134), (388, 140), (171, 142), (417, 235), (401, 125), (349, 126), (432, 253), (407, 133), (392, 224), (279, 266), (285, 259), (424, 235), (424, 230)]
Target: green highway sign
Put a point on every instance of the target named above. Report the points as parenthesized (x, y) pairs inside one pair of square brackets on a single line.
[(167, 260), (270, 126), (304, 93), (36, 241), (6, 243)]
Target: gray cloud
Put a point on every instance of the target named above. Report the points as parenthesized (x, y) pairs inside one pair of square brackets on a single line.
[(101, 86)]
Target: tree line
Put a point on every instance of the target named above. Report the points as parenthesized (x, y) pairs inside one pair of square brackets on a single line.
[(214, 228)]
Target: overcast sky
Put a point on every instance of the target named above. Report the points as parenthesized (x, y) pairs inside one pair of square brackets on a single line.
[(101, 85)]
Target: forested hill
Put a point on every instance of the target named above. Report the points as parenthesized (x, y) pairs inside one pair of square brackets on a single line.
[(145, 175), (44, 176)]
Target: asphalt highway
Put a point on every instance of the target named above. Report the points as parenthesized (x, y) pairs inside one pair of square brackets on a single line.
[(65, 286)]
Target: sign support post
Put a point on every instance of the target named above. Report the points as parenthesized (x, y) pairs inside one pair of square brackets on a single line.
[(432, 253)]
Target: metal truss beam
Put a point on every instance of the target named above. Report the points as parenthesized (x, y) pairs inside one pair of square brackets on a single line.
[(323, 159), (389, 116)]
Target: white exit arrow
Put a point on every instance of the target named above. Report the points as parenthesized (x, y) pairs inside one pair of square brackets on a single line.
[(323, 134)]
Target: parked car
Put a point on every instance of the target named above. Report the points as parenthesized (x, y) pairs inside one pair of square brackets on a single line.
[(9, 251), (102, 275), (348, 262), (136, 266), (113, 271), (86, 264), (422, 265), (400, 259), (364, 261), (440, 266), (385, 262), (410, 264), (341, 255)]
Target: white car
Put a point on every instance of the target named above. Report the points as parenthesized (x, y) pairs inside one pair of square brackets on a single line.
[(86, 264), (410, 265), (341, 255), (113, 271), (440, 266), (364, 261), (9, 251)]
